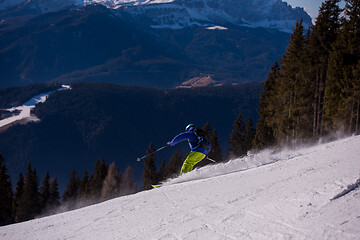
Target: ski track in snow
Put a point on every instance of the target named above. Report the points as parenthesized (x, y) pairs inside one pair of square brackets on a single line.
[(284, 195)]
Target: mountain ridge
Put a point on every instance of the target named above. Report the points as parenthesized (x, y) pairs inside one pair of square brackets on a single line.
[(94, 44), (149, 43), (185, 13)]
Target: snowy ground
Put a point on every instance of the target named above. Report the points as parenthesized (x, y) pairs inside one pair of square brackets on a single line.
[(25, 110), (285, 195)]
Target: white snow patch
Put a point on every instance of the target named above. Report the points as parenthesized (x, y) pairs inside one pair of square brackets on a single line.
[(217, 28), (284, 195), (157, 1), (25, 110)]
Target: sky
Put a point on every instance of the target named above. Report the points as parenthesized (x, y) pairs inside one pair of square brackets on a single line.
[(310, 6)]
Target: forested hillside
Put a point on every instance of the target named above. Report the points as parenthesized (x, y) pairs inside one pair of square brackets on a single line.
[(15, 96), (315, 90), (95, 120)]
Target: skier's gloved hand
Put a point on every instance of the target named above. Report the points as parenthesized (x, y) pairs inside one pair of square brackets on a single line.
[(168, 144)]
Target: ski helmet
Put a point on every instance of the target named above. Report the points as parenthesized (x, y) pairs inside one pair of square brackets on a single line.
[(189, 127)]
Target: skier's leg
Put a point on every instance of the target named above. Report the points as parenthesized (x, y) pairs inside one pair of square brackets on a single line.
[(192, 159)]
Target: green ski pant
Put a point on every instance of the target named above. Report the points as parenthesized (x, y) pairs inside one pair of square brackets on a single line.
[(192, 159)]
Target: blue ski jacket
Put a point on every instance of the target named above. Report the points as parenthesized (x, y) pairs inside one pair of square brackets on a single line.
[(193, 142)]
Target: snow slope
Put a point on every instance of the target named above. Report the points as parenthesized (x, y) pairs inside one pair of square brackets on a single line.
[(284, 195)]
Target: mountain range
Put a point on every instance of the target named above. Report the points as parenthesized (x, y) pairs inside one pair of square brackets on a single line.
[(151, 43), (182, 13)]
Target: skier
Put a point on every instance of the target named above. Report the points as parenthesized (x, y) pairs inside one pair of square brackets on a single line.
[(199, 146)]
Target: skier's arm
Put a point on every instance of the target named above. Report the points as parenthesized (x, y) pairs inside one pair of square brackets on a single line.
[(181, 137)]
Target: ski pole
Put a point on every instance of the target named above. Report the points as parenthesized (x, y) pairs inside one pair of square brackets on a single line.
[(210, 159), (139, 159)]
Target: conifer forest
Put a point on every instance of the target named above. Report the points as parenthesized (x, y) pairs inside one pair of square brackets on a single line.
[(314, 89)]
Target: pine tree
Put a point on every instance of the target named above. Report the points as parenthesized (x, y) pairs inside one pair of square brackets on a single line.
[(111, 186), (356, 100), (352, 90), (45, 192), (249, 135), (6, 195), (49, 193), (84, 187), (30, 202), (349, 106), (215, 152), (161, 174), (335, 85), (305, 94), (100, 172), (319, 48), (342, 98), (18, 194), (150, 174), (237, 148), (207, 130), (127, 184), (70, 194), (174, 167), (54, 198), (268, 105), (289, 92)]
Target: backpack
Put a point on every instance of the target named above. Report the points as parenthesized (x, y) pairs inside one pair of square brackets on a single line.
[(202, 137)]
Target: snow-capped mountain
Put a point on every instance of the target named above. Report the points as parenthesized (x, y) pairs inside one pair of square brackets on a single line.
[(310, 193), (99, 39), (189, 29), (256, 13), (184, 13)]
